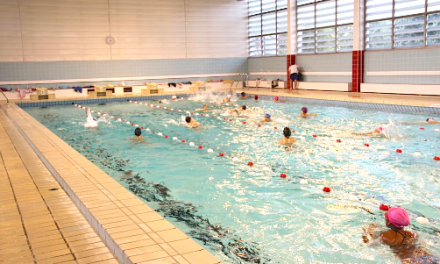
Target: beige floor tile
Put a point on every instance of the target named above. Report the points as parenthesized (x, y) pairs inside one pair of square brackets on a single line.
[(180, 259), (80, 248), (172, 235), (52, 254), (131, 239), (143, 250), (168, 260), (58, 259), (149, 256), (137, 244), (200, 257), (185, 246), (149, 217), (92, 252), (96, 258), (160, 225)]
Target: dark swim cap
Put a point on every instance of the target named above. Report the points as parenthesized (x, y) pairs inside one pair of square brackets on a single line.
[(304, 110), (243, 93), (244, 107), (188, 119), (137, 131), (287, 133)]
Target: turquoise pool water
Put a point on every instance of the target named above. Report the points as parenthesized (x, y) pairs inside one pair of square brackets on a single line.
[(248, 214)]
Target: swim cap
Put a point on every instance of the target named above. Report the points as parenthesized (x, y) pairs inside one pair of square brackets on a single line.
[(398, 217), (188, 119), (256, 97), (380, 129), (137, 131), (174, 97), (243, 107), (304, 110), (267, 116), (287, 133), (243, 93), (276, 98), (430, 119), (229, 96)]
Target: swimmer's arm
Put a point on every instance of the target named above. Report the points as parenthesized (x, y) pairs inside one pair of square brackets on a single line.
[(370, 233), (313, 114)]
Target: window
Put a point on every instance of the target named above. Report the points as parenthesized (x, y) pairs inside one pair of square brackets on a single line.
[(324, 26), (267, 27), (402, 24)]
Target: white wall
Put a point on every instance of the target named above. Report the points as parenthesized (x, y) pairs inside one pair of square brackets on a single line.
[(75, 30)]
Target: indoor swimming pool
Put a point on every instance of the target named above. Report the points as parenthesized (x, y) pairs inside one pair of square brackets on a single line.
[(225, 190)]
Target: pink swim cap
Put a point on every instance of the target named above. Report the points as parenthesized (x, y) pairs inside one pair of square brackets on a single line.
[(380, 128), (256, 97), (276, 98), (398, 217)]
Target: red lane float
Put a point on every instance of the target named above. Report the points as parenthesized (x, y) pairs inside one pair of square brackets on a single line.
[(398, 150), (283, 175), (366, 145), (384, 207), (250, 163), (327, 189), (436, 158)]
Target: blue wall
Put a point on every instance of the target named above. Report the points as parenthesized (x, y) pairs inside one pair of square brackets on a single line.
[(403, 60), (335, 62), (268, 64), (26, 71)]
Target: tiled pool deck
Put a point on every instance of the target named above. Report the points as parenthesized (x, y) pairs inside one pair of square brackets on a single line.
[(58, 207)]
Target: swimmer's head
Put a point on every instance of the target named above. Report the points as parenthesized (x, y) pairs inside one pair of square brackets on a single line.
[(137, 132), (430, 119), (243, 107), (205, 107), (243, 94), (229, 96), (304, 110), (276, 98), (398, 217), (188, 119), (267, 116), (173, 97), (256, 97), (287, 132)]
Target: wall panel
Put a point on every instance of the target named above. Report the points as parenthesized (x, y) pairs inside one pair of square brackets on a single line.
[(11, 48)]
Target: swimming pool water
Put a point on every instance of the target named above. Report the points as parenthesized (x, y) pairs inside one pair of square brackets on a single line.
[(248, 214)]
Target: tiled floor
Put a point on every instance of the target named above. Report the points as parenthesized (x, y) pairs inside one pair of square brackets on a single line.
[(39, 223), (132, 231)]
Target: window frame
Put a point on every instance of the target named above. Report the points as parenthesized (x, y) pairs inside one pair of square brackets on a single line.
[(261, 35), (315, 29), (393, 18)]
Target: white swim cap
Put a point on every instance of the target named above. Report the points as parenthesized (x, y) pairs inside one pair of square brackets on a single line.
[(173, 97), (229, 96)]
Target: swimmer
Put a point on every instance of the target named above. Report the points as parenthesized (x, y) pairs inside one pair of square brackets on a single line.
[(287, 140), (276, 99), (205, 108), (431, 120), (378, 132), (266, 118), (256, 98), (138, 135), (402, 242), (241, 111), (191, 122), (174, 98), (243, 95), (304, 113), (227, 99)]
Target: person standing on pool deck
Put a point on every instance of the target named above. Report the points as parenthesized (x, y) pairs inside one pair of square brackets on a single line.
[(294, 76), (191, 122), (402, 242), (287, 140), (304, 114)]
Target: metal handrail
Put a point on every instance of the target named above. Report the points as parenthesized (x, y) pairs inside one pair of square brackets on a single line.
[(7, 99)]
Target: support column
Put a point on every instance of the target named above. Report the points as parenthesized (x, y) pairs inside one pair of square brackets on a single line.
[(358, 45), (291, 37)]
